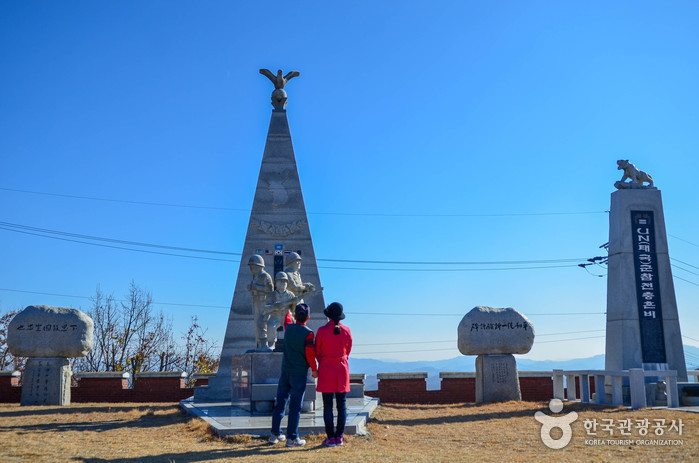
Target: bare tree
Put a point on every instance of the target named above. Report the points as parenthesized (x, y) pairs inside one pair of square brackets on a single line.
[(105, 316), (199, 353), (7, 360), (130, 336)]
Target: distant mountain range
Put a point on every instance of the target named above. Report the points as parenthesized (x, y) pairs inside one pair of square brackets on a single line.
[(371, 367)]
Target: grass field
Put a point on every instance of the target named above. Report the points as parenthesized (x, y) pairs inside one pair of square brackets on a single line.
[(505, 432)]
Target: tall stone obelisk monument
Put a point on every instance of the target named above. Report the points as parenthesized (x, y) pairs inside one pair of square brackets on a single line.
[(278, 226), (643, 328)]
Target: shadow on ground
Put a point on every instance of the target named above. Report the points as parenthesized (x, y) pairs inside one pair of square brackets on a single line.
[(148, 420), (263, 449), (476, 416)]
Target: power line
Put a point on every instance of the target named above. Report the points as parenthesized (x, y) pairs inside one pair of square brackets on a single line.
[(462, 314), (117, 300), (188, 206), (117, 247), (692, 339), (455, 349), (228, 307), (454, 340), (680, 278), (688, 242), (684, 269), (79, 238), (542, 261), (147, 203), (111, 240), (572, 339), (402, 351), (685, 263), (47, 233), (446, 269)]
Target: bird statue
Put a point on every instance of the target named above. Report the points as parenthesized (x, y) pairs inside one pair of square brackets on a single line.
[(279, 96)]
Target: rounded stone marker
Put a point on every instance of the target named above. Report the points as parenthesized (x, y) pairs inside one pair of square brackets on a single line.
[(44, 331), (485, 330)]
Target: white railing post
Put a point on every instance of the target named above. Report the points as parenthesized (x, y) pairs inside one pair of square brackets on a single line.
[(585, 388), (570, 383), (558, 389), (599, 389), (673, 400), (637, 387), (617, 396)]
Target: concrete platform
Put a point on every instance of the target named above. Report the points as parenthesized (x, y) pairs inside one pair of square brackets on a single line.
[(228, 420)]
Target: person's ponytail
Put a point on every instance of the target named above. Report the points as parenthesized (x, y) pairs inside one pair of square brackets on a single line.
[(337, 327)]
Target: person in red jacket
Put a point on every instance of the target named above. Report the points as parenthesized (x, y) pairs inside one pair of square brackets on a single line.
[(333, 346)]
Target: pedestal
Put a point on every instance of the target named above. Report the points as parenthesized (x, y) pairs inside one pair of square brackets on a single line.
[(255, 377), (496, 378), (46, 382)]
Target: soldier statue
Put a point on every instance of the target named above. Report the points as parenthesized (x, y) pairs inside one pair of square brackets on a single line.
[(296, 285), (260, 287)]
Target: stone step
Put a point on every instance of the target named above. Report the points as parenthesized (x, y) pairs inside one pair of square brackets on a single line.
[(228, 420)]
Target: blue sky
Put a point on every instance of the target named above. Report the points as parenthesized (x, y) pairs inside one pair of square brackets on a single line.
[(424, 131)]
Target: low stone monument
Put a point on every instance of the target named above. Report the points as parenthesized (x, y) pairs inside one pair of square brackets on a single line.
[(49, 336), (494, 335)]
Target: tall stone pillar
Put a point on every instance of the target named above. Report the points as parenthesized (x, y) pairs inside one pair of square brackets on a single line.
[(643, 329), (278, 225)]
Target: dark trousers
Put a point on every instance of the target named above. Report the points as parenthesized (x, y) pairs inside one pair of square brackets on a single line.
[(291, 387), (328, 416)]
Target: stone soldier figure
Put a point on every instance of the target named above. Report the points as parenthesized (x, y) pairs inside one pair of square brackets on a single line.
[(279, 302), (296, 285), (260, 287)]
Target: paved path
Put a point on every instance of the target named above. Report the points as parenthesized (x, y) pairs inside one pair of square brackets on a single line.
[(229, 420)]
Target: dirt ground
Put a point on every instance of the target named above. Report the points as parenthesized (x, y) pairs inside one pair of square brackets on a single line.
[(401, 433)]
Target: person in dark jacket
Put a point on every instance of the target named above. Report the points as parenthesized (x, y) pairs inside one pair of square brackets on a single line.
[(299, 355), (333, 346)]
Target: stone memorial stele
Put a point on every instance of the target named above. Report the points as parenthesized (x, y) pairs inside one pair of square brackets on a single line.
[(494, 335), (49, 336), (278, 238), (643, 329)]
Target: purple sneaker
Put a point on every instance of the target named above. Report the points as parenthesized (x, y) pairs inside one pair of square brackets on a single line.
[(339, 441), (329, 442)]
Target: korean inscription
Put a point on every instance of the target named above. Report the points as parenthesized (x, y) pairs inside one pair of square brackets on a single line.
[(647, 287)]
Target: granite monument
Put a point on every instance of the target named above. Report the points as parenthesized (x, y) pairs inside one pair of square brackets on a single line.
[(494, 335), (643, 329), (49, 336), (278, 229)]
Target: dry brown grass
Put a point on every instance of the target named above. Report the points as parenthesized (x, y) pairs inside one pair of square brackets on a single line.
[(162, 433)]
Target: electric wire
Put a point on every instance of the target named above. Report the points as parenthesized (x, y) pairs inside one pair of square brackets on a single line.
[(684, 263), (456, 349), (111, 240), (681, 239), (454, 340), (79, 238), (228, 307), (358, 214)]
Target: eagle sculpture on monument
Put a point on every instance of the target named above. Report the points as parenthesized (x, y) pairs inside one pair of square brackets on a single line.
[(279, 95)]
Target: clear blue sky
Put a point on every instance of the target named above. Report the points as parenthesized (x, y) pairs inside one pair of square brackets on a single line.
[(424, 131)]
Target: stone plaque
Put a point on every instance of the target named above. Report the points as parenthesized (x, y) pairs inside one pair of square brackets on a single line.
[(43, 331), (485, 330), (46, 382), (650, 315), (496, 378)]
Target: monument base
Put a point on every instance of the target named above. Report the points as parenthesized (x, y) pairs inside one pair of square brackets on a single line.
[(254, 380), (46, 381), (496, 378)]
